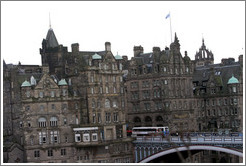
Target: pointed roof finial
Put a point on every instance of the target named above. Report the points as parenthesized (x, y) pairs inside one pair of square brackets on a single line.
[(49, 20)]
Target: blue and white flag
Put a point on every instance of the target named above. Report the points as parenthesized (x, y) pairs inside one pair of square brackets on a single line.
[(168, 15)]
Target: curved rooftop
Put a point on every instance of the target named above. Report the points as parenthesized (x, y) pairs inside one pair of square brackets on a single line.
[(62, 82), (118, 57), (25, 84), (233, 80), (96, 56)]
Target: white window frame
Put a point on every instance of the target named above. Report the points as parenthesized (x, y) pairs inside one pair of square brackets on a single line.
[(77, 137), (86, 137)]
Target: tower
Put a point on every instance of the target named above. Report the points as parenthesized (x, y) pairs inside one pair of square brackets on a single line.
[(204, 57)]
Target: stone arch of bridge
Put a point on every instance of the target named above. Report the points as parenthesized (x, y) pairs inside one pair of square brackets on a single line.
[(192, 147)]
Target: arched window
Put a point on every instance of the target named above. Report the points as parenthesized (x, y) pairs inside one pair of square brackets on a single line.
[(148, 119), (159, 119), (42, 122), (53, 121), (137, 119), (107, 103)]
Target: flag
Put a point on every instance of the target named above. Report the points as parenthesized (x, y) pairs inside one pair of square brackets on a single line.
[(168, 15)]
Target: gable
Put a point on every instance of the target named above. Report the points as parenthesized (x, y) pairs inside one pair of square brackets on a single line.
[(108, 57), (46, 82)]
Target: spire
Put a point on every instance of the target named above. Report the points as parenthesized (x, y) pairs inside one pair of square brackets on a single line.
[(49, 21)]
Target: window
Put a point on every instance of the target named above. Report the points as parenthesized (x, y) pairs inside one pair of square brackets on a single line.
[(99, 117), (36, 153), (94, 137), (27, 108), (41, 94), (86, 137), (107, 89), (115, 104), (92, 90), (42, 137), (225, 101), (64, 92), (94, 118), (107, 103), (63, 152), (65, 121), (50, 152), (53, 121), (21, 124), (64, 107), (29, 123), (93, 103), (28, 94), (114, 78), (52, 94), (116, 117), (41, 108), (92, 78), (76, 106), (53, 106), (77, 138), (76, 119), (114, 89), (234, 89), (121, 90), (54, 136), (108, 117), (42, 122), (66, 139)]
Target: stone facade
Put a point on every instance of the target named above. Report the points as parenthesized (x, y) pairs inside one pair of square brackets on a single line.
[(159, 89), (72, 109), (78, 106), (165, 88)]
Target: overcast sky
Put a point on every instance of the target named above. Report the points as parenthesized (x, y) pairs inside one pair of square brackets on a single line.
[(125, 24)]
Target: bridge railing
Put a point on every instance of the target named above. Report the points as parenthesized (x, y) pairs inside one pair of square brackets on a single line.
[(198, 139)]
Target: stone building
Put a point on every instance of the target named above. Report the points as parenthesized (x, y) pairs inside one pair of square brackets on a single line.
[(70, 109), (78, 106), (159, 89), (165, 88)]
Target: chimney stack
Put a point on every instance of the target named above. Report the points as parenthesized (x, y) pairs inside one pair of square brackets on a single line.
[(107, 46)]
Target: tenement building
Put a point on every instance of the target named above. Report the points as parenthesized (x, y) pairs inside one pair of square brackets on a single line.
[(159, 89), (165, 88), (70, 109), (77, 106)]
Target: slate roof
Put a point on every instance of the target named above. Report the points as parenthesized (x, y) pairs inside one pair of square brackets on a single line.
[(51, 39), (225, 72)]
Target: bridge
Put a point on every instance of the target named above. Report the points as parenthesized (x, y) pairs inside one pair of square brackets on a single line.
[(148, 148)]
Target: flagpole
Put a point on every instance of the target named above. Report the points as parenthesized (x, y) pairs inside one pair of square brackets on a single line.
[(170, 27)]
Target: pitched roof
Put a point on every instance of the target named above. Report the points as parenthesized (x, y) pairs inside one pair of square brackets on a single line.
[(51, 39)]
